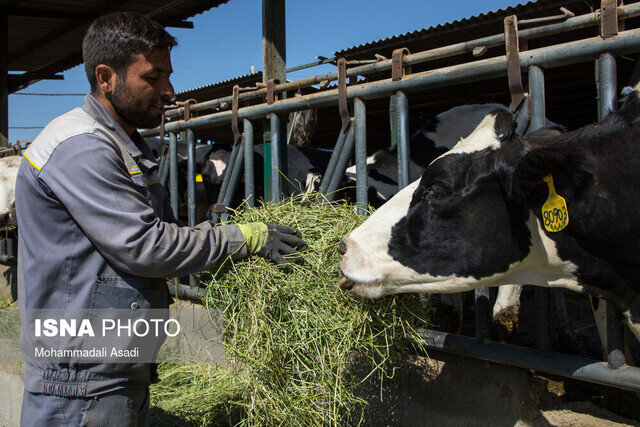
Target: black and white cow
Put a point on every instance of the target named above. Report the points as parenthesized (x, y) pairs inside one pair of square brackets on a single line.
[(8, 174), (475, 219), (438, 135)]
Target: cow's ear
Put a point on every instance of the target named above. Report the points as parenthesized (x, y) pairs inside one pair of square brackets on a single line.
[(504, 125), (573, 170)]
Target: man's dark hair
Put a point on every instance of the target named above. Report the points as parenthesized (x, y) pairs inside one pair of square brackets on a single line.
[(114, 39)]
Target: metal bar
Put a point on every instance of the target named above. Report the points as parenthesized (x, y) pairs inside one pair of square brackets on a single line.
[(548, 57), (537, 99), (607, 92), (607, 85), (235, 178), (191, 189), (528, 358), (542, 319), (173, 173), (344, 154), (482, 314), (276, 166), (404, 153), (333, 161), (323, 61), (183, 292), (542, 295), (360, 117), (582, 21), (163, 169), (225, 180), (4, 79), (393, 119), (249, 177)]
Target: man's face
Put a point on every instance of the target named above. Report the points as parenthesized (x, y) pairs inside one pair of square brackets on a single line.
[(141, 93)]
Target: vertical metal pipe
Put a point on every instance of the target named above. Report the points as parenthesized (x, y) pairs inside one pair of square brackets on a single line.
[(482, 314), (191, 188), (173, 172), (341, 165), (607, 91), (335, 155), (226, 179), (266, 153), (615, 337), (543, 328), (403, 139), (607, 83), (4, 78), (536, 95), (393, 119), (276, 166), (360, 114), (163, 169), (542, 295), (235, 178), (274, 46), (249, 177)]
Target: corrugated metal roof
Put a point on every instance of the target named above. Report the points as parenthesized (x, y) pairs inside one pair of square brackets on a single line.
[(210, 91), (468, 28), (45, 36)]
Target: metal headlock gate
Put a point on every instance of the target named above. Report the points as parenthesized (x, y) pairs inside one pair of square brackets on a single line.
[(613, 372)]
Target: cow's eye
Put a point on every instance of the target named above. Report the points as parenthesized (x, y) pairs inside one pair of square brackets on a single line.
[(436, 191)]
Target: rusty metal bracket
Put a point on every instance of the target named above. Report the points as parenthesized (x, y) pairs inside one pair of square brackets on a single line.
[(271, 91), (608, 18), (513, 61), (398, 67), (237, 136), (187, 108), (566, 14), (342, 93)]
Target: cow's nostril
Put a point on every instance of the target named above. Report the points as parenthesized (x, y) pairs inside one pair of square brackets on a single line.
[(342, 246)]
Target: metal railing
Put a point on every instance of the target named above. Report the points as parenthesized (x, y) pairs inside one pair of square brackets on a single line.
[(614, 372)]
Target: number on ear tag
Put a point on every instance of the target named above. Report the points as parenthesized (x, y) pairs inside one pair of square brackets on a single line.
[(555, 214)]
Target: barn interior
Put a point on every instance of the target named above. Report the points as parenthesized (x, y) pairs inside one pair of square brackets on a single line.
[(571, 91)]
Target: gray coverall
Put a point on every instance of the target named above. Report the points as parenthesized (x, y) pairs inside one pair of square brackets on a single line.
[(96, 231)]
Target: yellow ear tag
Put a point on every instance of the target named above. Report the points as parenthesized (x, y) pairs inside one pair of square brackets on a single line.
[(554, 211), (198, 177)]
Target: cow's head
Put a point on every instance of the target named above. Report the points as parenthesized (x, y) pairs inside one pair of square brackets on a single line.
[(467, 221)]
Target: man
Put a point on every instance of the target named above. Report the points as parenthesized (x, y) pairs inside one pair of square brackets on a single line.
[(96, 230)]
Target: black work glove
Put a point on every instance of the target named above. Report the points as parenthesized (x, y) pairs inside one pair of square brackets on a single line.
[(282, 240)]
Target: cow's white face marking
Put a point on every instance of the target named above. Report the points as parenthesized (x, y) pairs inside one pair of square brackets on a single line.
[(367, 261), (451, 128), (483, 137)]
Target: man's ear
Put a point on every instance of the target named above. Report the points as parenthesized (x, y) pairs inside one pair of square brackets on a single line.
[(573, 170), (106, 78)]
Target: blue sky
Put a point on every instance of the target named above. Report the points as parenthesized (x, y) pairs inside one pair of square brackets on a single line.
[(227, 41)]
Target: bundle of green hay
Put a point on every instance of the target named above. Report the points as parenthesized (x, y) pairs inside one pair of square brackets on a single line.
[(298, 347)]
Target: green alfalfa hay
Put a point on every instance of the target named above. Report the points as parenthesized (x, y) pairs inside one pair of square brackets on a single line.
[(297, 340)]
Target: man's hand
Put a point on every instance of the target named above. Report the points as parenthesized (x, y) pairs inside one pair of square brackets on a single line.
[(272, 241)]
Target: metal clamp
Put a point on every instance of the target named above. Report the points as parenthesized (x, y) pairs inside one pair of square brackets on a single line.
[(237, 136), (513, 61), (187, 108), (271, 90), (608, 18), (342, 93), (398, 67)]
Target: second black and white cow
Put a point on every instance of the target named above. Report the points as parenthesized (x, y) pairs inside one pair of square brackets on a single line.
[(475, 217)]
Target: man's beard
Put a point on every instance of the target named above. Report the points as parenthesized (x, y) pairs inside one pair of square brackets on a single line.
[(135, 111)]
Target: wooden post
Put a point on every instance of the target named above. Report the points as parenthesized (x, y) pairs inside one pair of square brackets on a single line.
[(274, 66)]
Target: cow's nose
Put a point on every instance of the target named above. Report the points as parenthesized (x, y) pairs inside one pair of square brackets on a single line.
[(342, 246)]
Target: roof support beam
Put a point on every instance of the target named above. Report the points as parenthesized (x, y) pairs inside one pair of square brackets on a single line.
[(274, 47), (4, 78), (23, 80), (29, 12)]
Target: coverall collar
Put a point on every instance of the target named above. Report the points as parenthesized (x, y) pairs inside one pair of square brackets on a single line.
[(98, 112)]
